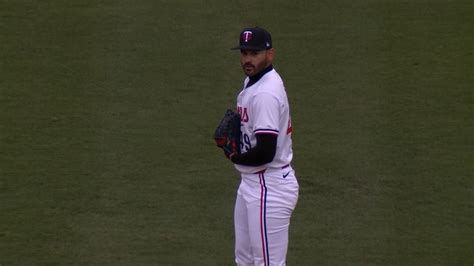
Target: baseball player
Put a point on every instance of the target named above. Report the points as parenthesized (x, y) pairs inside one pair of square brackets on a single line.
[(268, 190)]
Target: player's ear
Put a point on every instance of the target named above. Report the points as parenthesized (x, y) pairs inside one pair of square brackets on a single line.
[(270, 54)]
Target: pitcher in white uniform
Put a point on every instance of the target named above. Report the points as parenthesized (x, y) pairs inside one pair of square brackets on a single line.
[(268, 191)]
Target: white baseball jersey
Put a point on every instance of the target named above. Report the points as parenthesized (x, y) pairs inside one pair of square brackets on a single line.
[(264, 109)]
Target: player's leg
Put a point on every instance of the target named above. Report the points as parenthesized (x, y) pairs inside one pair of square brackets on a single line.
[(269, 220), (257, 233), (278, 225), (243, 251), (282, 202), (269, 234)]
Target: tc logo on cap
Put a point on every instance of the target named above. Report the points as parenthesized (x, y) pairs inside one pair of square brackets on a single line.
[(247, 36)]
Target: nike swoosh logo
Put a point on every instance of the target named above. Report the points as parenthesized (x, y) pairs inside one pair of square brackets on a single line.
[(285, 175)]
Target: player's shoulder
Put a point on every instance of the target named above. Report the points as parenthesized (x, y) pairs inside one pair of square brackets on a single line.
[(272, 83), (273, 77)]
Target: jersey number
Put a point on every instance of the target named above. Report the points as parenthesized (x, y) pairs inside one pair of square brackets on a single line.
[(245, 144)]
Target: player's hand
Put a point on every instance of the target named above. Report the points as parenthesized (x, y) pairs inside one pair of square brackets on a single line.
[(228, 153)]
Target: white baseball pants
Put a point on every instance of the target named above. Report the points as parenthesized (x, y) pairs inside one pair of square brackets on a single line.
[(263, 207)]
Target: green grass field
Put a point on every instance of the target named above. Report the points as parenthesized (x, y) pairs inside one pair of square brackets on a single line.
[(107, 110)]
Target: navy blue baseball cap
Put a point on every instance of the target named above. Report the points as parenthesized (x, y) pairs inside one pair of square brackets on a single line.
[(254, 39)]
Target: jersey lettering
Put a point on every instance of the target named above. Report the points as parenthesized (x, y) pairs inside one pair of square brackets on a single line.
[(289, 130), (244, 117)]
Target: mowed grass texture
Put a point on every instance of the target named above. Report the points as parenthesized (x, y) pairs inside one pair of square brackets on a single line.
[(107, 110)]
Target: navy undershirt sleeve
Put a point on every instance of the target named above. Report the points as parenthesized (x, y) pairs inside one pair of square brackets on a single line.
[(261, 154)]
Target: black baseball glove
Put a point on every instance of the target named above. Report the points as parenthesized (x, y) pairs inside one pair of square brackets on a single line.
[(227, 134)]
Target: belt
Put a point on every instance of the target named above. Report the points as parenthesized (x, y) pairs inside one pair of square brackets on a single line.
[(263, 171)]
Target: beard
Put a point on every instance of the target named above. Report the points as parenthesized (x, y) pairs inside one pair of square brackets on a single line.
[(251, 69)]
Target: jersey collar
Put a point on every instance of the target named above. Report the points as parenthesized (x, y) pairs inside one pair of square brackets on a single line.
[(253, 79)]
